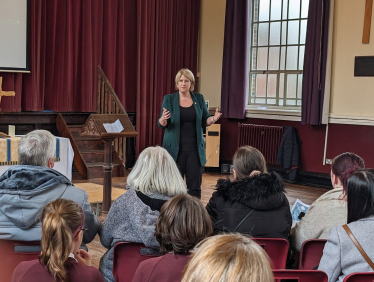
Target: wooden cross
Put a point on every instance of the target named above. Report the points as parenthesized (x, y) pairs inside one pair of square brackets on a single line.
[(367, 22), (5, 93)]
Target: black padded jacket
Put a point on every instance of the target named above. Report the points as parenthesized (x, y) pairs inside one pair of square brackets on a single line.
[(255, 206)]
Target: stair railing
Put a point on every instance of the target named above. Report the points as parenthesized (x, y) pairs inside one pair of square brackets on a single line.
[(108, 103)]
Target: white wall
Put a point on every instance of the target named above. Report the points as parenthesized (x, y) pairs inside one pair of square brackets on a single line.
[(350, 95)]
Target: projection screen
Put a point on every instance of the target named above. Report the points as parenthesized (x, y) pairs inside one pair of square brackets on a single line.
[(13, 36)]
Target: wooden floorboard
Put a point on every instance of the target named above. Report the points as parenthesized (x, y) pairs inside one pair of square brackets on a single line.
[(306, 194)]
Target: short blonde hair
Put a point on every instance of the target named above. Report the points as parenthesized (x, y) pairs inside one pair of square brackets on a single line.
[(187, 73), (155, 171), (229, 258), (247, 159)]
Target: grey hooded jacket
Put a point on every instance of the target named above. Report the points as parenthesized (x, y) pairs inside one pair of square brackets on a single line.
[(25, 190)]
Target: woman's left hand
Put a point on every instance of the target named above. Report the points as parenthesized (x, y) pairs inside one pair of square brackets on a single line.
[(84, 257), (255, 172), (217, 115)]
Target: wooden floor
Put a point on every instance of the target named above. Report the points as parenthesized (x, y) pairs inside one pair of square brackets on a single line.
[(304, 193)]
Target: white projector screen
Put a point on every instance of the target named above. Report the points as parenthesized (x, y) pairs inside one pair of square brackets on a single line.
[(13, 36)]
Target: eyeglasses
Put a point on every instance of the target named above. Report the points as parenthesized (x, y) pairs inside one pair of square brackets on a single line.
[(84, 229)]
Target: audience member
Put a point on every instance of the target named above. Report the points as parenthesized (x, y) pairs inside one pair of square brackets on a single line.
[(154, 179), (229, 258), (183, 222), (253, 202), (340, 255), (60, 258), (27, 187), (331, 208)]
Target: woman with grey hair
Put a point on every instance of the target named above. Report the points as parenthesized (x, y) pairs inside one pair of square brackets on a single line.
[(153, 180)]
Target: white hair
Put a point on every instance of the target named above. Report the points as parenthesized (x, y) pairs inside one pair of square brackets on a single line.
[(156, 172), (36, 148)]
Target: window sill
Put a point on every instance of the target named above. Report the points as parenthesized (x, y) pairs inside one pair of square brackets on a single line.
[(276, 113)]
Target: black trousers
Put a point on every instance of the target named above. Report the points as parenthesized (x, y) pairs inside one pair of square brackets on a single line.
[(189, 165)]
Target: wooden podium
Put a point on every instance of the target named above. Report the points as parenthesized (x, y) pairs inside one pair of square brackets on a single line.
[(94, 127)]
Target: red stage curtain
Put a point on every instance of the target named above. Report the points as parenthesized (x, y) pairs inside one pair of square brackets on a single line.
[(68, 40), (167, 42)]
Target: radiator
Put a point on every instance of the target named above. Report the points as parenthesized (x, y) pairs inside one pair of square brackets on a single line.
[(265, 138)]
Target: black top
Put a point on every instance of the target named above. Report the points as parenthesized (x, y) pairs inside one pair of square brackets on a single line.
[(188, 139), (154, 204)]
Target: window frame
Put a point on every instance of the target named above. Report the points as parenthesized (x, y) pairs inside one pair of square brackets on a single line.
[(262, 108)]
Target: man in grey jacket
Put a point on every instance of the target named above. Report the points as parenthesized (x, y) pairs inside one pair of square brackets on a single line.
[(25, 189)]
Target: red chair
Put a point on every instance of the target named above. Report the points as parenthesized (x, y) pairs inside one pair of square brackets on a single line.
[(360, 277), (301, 275), (14, 252), (277, 250), (126, 258), (311, 253)]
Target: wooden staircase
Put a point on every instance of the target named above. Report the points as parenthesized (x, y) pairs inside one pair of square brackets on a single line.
[(89, 150)]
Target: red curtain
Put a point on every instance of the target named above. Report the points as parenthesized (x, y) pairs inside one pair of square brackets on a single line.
[(167, 42), (68, 40)]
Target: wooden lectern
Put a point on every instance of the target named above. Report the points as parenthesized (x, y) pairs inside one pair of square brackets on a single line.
[(94, 127)]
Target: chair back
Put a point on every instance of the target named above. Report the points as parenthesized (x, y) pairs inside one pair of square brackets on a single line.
[(277, 250), (14, 252), (126, 258), (360, 277), (311, 253), (300, 275)]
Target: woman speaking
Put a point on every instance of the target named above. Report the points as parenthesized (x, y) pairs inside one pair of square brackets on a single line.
[(184, 114)]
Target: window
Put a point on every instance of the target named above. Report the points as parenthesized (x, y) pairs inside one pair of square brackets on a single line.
[(277, 52)]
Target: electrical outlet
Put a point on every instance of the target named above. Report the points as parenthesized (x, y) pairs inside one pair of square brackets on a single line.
[(328, 161)]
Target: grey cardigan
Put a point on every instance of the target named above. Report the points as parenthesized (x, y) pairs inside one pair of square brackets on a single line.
[(129, 219), (341, 257)]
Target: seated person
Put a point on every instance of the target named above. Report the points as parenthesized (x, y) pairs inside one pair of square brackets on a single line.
[(340, 255), (26, 188), (154, 179), (254, 202), (60, 258), (183, 222), (229, 258), (331, 208)]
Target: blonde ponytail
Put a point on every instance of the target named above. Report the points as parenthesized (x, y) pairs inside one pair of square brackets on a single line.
[(61, 218)]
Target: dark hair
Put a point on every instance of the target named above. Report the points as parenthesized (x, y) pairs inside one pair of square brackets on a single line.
[(247, 159), (360, 195), (183, 222), (344, 165)]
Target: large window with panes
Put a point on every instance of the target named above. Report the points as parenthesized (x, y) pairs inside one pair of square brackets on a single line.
[(277, 45)]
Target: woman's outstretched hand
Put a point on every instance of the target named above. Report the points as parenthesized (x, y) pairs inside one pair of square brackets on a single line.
[(217, 115)]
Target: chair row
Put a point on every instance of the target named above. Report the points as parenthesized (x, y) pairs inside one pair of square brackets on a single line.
[(128, 254)]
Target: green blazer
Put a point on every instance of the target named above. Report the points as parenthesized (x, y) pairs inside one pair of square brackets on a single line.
[(172, 128)]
